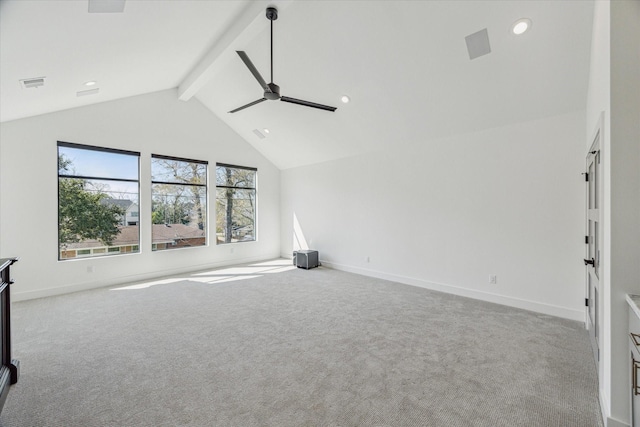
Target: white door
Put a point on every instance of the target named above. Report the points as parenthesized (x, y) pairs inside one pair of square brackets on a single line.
[(593, 243)]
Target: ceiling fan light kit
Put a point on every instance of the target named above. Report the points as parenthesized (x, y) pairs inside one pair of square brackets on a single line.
[(272, 90)]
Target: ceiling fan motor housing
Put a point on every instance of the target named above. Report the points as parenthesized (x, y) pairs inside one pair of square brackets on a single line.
[(275, 92)]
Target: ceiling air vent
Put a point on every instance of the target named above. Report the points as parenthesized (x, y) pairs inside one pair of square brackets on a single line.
[(88, 92), (35, 82)]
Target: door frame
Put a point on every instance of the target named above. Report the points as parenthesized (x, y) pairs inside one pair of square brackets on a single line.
[(594, 154)]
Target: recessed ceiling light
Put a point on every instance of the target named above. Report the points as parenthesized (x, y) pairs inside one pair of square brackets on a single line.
[(520, 26), (266, 130), (345, 99), (90, 83)]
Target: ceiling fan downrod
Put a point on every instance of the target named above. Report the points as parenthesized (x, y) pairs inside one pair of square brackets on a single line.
[(272, 15)]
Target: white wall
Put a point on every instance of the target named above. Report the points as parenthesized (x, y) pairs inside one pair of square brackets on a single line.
[(614, 88), (624, 176), (154, 123), (448, 213)]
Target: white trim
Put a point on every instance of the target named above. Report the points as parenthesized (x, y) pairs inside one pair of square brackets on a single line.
[(604, 405), (84, 286), (612, 422), (538, 307)]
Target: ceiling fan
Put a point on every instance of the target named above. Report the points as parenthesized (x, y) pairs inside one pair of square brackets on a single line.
[(272, 90)]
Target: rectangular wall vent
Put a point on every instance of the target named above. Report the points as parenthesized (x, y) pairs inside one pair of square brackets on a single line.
[(34, 82)]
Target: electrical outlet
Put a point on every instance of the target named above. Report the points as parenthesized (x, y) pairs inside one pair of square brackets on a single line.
[(493, 279), (367, 259), (231, 250)]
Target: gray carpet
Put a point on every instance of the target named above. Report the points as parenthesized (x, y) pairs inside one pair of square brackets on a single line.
[(261, 346)]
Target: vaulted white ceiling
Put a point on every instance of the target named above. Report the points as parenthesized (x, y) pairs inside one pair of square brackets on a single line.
[(404, 64)]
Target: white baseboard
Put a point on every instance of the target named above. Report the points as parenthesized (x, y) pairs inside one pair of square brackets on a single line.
[(604, 405), (84, 286), (612, 422), (538, 307)]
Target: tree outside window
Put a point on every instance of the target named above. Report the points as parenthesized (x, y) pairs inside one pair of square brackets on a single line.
[(235, 203), (97, 193)]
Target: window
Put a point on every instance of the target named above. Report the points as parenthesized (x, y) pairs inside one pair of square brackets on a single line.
[(179, 202), (235, 203), (96, 188)]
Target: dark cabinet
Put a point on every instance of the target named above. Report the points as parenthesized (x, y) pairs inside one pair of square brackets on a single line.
[(10, 368)]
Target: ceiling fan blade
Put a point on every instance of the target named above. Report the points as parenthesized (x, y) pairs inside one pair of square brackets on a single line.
[(307, 103), (248, 105), (253, 69)]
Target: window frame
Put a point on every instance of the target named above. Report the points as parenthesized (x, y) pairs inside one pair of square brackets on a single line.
[(255, 191), (173, 246), (93, 254)]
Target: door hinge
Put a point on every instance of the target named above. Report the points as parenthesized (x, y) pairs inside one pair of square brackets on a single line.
[(586, 176), (586, 302), (586, 240)]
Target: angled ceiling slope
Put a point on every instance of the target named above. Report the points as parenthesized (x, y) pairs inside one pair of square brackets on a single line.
[(150, 46), (404, 65)]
